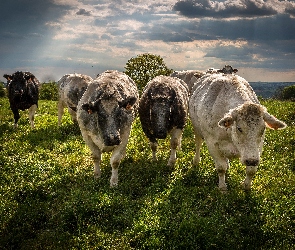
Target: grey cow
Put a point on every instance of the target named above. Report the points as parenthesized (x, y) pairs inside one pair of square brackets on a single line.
[(226, 113), (163, 109), (105, 114), (71, 87)]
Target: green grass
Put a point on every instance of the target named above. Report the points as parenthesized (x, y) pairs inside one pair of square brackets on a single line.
[(50, 200)]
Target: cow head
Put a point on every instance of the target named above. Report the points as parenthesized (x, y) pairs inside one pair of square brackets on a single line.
[(247, 123), (17, 83), (113, 115), (227, 69), (160, 110)]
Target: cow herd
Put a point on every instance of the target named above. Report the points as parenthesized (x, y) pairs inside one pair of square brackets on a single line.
[(222, 106)]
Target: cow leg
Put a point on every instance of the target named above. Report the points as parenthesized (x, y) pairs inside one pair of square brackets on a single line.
[(250, 172), (16, 117), (154, 146), (73, 114), (32, 111), (221, 165), (198, 142), (96, 154), (60, 111), (175, 143), (117, 155)]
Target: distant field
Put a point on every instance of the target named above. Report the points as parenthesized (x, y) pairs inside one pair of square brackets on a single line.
[(49, 199), (269, 89)]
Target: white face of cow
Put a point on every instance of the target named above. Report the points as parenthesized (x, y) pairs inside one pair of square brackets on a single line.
[(247, 123)]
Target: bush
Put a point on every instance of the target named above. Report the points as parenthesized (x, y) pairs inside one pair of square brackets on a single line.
[(48, 91), (287, 93), (144, 68), (2, 90)]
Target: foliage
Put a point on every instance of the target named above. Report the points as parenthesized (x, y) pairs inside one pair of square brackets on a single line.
[(50, 200), (145, 67), (48, 91), (2, 90), (287, 93)]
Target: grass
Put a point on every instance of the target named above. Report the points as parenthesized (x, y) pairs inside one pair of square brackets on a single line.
[(50, 200)]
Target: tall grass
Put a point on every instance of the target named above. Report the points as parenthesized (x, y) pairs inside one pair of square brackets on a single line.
[(50, 200)]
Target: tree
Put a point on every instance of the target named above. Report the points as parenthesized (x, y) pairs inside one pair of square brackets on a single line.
[(287, 93), (145, 67)]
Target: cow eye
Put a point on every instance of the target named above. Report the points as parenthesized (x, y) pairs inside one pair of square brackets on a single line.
[(239, 129)]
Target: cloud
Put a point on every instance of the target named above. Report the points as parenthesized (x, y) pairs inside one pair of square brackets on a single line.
[(78, 35), (83, 12), (232, 8)]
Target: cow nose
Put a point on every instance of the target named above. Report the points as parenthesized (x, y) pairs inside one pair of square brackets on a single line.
[(251, 162), (162, 134), (113, 140)]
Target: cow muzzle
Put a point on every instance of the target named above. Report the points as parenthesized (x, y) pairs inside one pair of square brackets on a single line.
[(112, 139), (161, 134), (18, 92), (251, 162)]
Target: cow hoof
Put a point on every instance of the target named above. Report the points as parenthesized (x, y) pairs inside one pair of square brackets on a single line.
[(223, 189), (97, 176), (171, 163), (113, 184), (246, 186)]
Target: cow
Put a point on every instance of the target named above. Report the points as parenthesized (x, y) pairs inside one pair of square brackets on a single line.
[(163, 109), (23, 93), (227, 69), (71, 87), (188, 76), (105, 114), (226, 114)]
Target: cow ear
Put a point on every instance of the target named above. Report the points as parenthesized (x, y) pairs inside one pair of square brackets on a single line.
[(88, 107), (8, 77), (226, 122), (132, 100), (128, 103), (273, 122), (28, 77)]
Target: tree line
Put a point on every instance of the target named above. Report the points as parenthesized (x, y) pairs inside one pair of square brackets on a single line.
[(141, 69)]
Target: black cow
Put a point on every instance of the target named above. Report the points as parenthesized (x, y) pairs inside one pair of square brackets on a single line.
[(23, 93), (163, 109)]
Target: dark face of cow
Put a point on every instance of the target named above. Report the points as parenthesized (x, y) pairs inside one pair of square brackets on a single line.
[(160, 114), (112, 117), (17, 84)]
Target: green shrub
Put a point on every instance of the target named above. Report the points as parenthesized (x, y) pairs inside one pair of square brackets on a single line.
[(287, 93), (48, 91), (2, 90)]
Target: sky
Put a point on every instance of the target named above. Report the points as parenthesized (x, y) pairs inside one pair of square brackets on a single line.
[(51, 38)]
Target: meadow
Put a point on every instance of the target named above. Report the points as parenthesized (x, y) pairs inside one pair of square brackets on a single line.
[(50, 200)]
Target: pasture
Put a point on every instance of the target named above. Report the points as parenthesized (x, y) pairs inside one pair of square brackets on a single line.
[(50, 200)]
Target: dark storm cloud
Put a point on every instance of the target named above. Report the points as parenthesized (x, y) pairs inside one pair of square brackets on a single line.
[(227, 9), (23, 15), (23, 27), (83, 12), (274, 28)]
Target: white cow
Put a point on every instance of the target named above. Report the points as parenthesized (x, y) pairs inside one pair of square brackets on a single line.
[(105, 114), (188, 76), (226, 113), (71, 87)]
